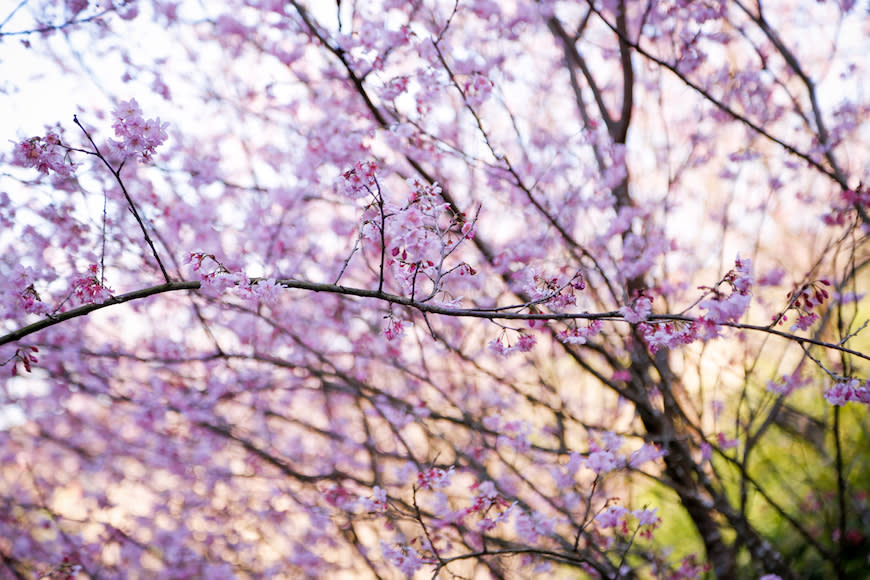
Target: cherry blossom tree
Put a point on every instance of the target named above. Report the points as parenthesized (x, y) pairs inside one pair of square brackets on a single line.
[(434, 289)]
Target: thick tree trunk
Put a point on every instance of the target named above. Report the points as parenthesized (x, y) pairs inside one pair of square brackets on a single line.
[(708, 509)]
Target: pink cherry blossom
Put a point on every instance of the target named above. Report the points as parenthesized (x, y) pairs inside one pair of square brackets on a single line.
[(138, 136), (46, 154), (531, 527), (645, 454), (847, 391), (612, 517), (427, 289), (434, 478), (639, 310), (89, 288)]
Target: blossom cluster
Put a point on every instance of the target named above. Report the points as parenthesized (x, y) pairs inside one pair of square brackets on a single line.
[(434, 478), (76, 6), (417, 240), (523, 343), (218, 278), (638, 311), (394, 328), (603, 458), (477, 90), (45, 154), (729, 308), (580, 334), (722, 307), (490, 505), (26, 357), (260, 291), (487, 510), (847, 391), (845, 208), (804, 300), (138, 136), (358, 181), (668, 334), (644, 520), (377, 503), (556, 291), (89, 288), (486, 506)]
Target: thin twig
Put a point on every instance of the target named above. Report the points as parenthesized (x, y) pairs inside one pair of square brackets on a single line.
[(117, 175)]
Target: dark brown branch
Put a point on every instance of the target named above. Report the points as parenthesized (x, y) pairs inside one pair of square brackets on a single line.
[(501, 313), (831, 173)]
